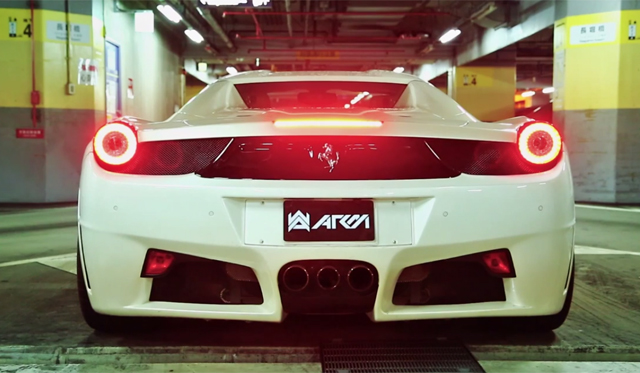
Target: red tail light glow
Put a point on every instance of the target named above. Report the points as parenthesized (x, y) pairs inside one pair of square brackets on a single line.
[(156, 263), (499, 263), (327, 123), (539, 143), (115, 143)]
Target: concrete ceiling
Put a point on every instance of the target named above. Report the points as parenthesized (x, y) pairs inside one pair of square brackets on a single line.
[(347, 34)]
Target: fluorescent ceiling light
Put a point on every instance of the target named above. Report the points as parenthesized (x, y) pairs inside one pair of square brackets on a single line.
[(548, 90), (528, 93), (194, 35), (170, 13), (202, 67), (450, 35), (398, 69), (232, 70)]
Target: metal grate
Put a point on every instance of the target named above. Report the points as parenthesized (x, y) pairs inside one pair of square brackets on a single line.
[(175, 157), (402, 357)]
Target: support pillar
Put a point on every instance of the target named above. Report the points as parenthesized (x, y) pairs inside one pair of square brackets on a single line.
[(596, 99), (41, 154), (485, 90)]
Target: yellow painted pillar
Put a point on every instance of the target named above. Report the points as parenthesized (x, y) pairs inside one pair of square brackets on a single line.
[(597, 99), (40, 154), (487, 92)]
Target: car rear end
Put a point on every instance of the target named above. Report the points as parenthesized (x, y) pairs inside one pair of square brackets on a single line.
[(276, 211)]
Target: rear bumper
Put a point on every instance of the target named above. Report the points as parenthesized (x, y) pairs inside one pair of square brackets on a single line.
[(241, 222)]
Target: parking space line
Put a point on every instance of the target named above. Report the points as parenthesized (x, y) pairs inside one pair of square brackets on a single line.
[(559, 366), (588, 250), (37, 260)]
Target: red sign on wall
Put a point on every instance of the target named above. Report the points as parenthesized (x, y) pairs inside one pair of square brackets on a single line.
[(29, 133)]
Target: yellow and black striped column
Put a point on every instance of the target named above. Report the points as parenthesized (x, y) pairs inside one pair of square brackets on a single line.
[(597, 97), (62, 76)]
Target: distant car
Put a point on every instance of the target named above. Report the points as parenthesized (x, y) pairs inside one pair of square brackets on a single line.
[(271, 194)]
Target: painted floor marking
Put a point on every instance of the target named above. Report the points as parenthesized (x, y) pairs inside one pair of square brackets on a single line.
[(588, 250), (37, 260)]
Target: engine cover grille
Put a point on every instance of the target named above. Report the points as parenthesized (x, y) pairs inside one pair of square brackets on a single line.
[(328, 158)]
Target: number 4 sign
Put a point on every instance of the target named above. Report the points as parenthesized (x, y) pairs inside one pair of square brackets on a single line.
[(13, 28)]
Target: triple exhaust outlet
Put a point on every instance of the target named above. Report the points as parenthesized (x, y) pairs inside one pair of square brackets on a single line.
[(296, 278)]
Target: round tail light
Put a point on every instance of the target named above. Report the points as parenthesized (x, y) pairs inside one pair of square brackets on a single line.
[(539, 143), (115, 143)]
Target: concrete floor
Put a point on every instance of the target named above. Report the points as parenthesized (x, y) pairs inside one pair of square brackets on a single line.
[(41, 328)]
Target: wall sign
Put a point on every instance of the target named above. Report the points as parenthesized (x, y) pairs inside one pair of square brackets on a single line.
[(87, 72), (593, 33), (19, 27), (29, 133), (80, 33)]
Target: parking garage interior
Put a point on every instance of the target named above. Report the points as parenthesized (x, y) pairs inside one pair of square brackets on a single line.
[(69, 66)]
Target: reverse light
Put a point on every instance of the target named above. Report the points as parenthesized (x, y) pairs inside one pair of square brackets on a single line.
[(115, 143), (156, 263), (499, 263), (327, 123), (539, 143)]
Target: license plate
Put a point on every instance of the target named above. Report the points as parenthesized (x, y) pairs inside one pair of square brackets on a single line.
[(344, 220)]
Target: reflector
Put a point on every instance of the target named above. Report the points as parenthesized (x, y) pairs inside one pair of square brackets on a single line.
[(331, 123), (156, 263), (539, 143), (115, 143), (499, 263)]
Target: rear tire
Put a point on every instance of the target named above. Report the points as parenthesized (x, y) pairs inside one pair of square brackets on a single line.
[(550, 322), (100, 322)]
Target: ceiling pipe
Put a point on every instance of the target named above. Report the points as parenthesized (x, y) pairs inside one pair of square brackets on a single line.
[(190, 22), (383, 51), (330, 38), (306, 19), (215, 26), (287, 6), (255, 21), (378, 14)]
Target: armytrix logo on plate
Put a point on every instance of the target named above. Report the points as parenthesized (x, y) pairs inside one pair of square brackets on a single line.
[(302, 221)]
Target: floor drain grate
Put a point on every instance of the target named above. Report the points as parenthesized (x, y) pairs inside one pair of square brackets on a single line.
[(402, 357)]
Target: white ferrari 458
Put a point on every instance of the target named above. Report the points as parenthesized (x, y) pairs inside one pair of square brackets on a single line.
[(270, 194)]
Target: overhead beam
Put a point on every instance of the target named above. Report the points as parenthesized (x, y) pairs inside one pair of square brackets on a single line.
[(536, 15), (535, 19), (215, 26)]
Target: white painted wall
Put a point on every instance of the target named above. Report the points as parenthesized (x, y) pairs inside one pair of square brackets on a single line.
[(149, 61)]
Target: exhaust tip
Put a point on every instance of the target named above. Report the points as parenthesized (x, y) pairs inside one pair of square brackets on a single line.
[(360, 278), (295, 278), (225, 296), (328, 278)]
